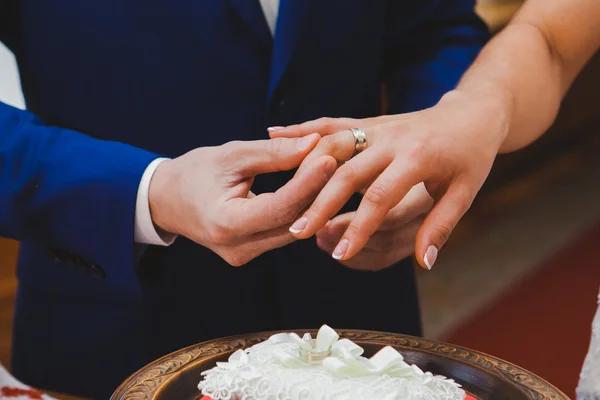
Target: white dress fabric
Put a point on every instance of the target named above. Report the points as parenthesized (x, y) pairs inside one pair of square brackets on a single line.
[(589, 381)]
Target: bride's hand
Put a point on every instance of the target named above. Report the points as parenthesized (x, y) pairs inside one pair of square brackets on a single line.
[(394, 239), (449, 147)]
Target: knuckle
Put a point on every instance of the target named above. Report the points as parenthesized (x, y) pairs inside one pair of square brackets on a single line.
[(324, 146), (417, 150), (274, 146), (399, 129), (232, 147), (229, 150), (347, 121), (283, 215), (353, 231), (324, 122), (216, 236), (327, 141), (376, 195), (319, 213), (235, 260), (464, 200), (346, 174), (444, 230), (220, 234), (314, 211)]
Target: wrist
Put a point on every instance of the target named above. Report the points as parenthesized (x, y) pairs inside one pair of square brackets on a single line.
[(158, 198), (494, 102)]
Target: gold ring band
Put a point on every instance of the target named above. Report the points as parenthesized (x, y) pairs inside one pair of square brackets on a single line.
[(360, 140)]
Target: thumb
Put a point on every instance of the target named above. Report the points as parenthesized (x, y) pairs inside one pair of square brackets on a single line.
[(264, 156), (440, 223)]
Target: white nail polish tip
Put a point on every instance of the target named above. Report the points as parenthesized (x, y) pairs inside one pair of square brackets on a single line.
[(296, 231), (430, 256), (336, 257), (427, 264)]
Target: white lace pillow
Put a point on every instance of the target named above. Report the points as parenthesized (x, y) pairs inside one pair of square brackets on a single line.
[(287, 367)]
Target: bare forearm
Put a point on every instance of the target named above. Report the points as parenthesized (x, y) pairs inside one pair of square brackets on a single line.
[(529, 66)]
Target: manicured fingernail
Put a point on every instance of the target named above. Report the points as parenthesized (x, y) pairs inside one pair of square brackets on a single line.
[(299, 225), (430, 256), (274, 128), (305, 142), (340, 249)]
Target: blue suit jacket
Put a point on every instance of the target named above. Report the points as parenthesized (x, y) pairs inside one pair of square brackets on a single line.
[(163, 78)]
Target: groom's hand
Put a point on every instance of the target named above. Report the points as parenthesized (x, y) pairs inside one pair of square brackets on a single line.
[(205, 195)]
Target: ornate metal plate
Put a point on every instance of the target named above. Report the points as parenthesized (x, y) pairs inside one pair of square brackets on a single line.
[(176, 376)]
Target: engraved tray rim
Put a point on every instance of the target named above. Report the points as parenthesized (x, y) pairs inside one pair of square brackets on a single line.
[(147, 382)]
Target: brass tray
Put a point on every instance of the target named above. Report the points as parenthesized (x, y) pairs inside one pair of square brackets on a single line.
[(176, 376)]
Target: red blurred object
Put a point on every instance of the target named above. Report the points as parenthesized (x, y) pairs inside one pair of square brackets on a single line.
[(7, 392)]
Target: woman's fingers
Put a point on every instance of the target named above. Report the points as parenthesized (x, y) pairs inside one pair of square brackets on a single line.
[(326, 126), (346, 181), (387, 191), (323, 126), (441, 221)]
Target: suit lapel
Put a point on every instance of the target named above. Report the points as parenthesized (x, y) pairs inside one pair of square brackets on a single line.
[(289, 23), (252, 14)]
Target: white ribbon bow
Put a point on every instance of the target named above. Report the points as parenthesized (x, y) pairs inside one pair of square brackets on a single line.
[(346, 356), (280, 368)]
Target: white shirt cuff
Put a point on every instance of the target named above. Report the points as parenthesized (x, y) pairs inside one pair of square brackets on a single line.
[(145, 231)]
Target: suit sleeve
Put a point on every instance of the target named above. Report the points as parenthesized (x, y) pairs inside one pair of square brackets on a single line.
[(430, 44), (70, 192)]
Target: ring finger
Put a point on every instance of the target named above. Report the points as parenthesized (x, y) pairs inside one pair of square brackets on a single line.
[(346, 181), (339, 145)]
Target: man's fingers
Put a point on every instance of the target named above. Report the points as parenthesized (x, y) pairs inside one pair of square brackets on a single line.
[(387, 190), (257, 244), (346, 181), (416, 203), (323, 126), (382, 250), (440, 223), (402, 238), (382, 241), (263, 156), (332, 231), (364, 260), (272, 210), (339, 146)]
